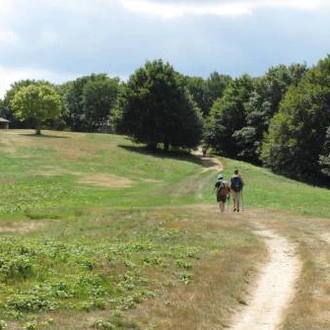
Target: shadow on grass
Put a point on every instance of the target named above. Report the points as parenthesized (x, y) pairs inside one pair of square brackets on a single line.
[(181, 155), (41, 136), (209, 162)]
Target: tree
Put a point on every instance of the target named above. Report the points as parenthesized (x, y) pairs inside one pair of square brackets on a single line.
[(38, 103), (206, 92), (155, 107), (264, 102), (215, 86), (227, 116), (99, 96), (2, 109), (89, 101), (72, 96), (8, 112), (197, 88), (298, 132), (324, 159)]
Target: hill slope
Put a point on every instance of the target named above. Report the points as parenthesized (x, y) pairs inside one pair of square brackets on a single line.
[(97, 233)]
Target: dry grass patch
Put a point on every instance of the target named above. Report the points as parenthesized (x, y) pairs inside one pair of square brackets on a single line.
[(20, 227), (207, 303), (97, 179), (219, 282), (67, 145), (105, 180), (310, 307)]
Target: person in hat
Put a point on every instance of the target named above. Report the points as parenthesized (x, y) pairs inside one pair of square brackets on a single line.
[(222, 192)]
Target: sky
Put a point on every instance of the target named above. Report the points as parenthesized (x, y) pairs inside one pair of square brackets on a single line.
[(61, 40)]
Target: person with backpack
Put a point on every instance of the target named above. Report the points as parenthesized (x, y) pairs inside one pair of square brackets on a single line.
[(236, 187), (222, 192)]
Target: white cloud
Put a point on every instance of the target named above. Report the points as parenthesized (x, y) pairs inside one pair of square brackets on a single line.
[(293, 4), (177, 10), (82, 7), (10, 75), (48, 38), (172, 9), (8, 37), (7, 6)]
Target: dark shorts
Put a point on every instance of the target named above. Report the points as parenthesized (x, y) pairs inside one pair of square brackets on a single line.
[(221, 198)]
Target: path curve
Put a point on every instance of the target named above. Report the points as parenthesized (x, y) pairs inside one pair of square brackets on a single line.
[(275, 289)]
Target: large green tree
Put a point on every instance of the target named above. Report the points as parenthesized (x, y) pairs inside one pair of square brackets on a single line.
[(156, 108), (99, 97), (196, 87), (72, 95), (215, 86), (37, 103), (228, 116), (89, 101), (206, 91), (2, 109), (263, 103), (298, 132), (8, 112), (324, 160)]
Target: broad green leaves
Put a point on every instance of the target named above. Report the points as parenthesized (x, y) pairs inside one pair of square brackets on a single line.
[(297, 133), (37, 103), (156, 108)]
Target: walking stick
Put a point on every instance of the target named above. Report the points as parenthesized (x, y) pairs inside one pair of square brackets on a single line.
[(228, 202), (242, 200)]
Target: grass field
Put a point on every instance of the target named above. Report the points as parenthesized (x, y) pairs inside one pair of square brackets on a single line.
[(96, 233)]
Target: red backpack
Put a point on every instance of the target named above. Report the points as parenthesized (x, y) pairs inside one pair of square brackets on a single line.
[(223, 189)]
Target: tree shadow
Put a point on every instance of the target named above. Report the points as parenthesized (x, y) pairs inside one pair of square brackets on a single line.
[(41, 136), (181, 155), (209, 162)]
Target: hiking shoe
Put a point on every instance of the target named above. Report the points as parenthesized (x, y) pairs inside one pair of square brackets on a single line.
[(234, 210)]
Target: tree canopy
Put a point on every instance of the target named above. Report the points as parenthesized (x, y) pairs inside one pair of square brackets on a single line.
[(298, 131), (228, 115), (89, 101), (156, 108), (37, 103)]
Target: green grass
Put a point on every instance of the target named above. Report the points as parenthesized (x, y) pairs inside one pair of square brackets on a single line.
[(264, 189), (97, 233)]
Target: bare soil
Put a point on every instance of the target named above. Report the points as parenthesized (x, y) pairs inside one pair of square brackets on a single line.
[(20, 227), (274, 289)]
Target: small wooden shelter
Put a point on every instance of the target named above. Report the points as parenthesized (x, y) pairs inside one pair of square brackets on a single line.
[(4, 123)]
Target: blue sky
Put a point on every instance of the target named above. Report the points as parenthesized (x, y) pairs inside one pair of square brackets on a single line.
[(60, 40)]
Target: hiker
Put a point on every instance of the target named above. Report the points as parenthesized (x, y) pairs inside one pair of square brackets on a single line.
[(223, 192), (236, 187), (204, 150)]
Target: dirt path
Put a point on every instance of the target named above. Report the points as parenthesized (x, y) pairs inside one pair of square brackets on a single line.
[(208, 163), (275, 288)]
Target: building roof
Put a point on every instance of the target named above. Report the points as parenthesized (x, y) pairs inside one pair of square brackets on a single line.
[(3, 120)]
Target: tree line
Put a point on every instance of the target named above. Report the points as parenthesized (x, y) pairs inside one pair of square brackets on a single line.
[(280, 120)]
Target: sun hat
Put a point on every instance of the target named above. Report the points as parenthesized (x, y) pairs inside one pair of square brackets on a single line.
[(220, 177)]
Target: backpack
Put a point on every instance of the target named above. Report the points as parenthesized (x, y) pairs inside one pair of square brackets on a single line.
[(236, 183), (223, 189)]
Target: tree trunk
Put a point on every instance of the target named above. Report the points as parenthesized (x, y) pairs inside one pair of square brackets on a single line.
[(38, 129)]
